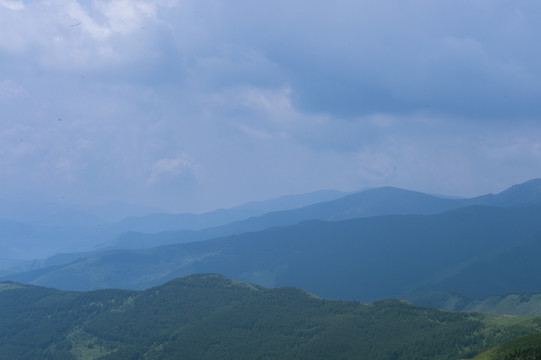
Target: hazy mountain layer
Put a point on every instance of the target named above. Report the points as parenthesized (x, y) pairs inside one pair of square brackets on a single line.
[(23, 241), (374, 202), (382, 201), (292, 201), (52, 229), (513, 268), (361, 259)]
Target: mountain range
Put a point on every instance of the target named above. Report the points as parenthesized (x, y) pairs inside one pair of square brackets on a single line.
[(362, 259), (373, 244), (51, 229), (475, 254)]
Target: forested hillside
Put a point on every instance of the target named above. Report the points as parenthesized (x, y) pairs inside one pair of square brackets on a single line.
[(522, 348), (210, 316)]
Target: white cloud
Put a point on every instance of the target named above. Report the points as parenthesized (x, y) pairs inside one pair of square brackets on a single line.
[(170, 168), (265, 100), (76, 34), (15, 5), (114, 17)]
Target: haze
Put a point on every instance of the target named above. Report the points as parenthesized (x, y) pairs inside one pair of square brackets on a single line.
[(196, 105)]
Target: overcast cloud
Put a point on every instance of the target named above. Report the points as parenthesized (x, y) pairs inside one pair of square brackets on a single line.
[(194, 105)]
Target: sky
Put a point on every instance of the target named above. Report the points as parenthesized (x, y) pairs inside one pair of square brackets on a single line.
[(195, 105)]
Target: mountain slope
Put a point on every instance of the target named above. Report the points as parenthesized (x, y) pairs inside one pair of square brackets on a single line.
[(361, 259), (26, 241), (527, 193), (31, 241), (289, 202), (380, 201), (208, 317), (169, 222), (368, 203), (522, 348), (498, 272), (39, 241), (511, 304), (53, 229)]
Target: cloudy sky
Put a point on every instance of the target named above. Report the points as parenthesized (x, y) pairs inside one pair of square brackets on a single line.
[(197, 104)]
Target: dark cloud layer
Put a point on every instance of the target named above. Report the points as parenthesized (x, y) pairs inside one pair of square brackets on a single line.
[(355, 58)]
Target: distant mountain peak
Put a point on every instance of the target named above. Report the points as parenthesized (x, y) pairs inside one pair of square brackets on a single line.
[(533, 185), (527, 192)]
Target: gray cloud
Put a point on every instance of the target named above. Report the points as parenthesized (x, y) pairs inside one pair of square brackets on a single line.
[(197, 104)]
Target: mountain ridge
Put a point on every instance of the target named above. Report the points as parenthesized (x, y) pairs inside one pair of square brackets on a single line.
[(57, 235), (209, 316), (386, 200), (321, 257)]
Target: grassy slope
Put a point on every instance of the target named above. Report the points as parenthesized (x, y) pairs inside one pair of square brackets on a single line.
[(522, 348)]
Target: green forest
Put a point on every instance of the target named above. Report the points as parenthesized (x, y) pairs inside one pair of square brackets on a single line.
[(209, 316)]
